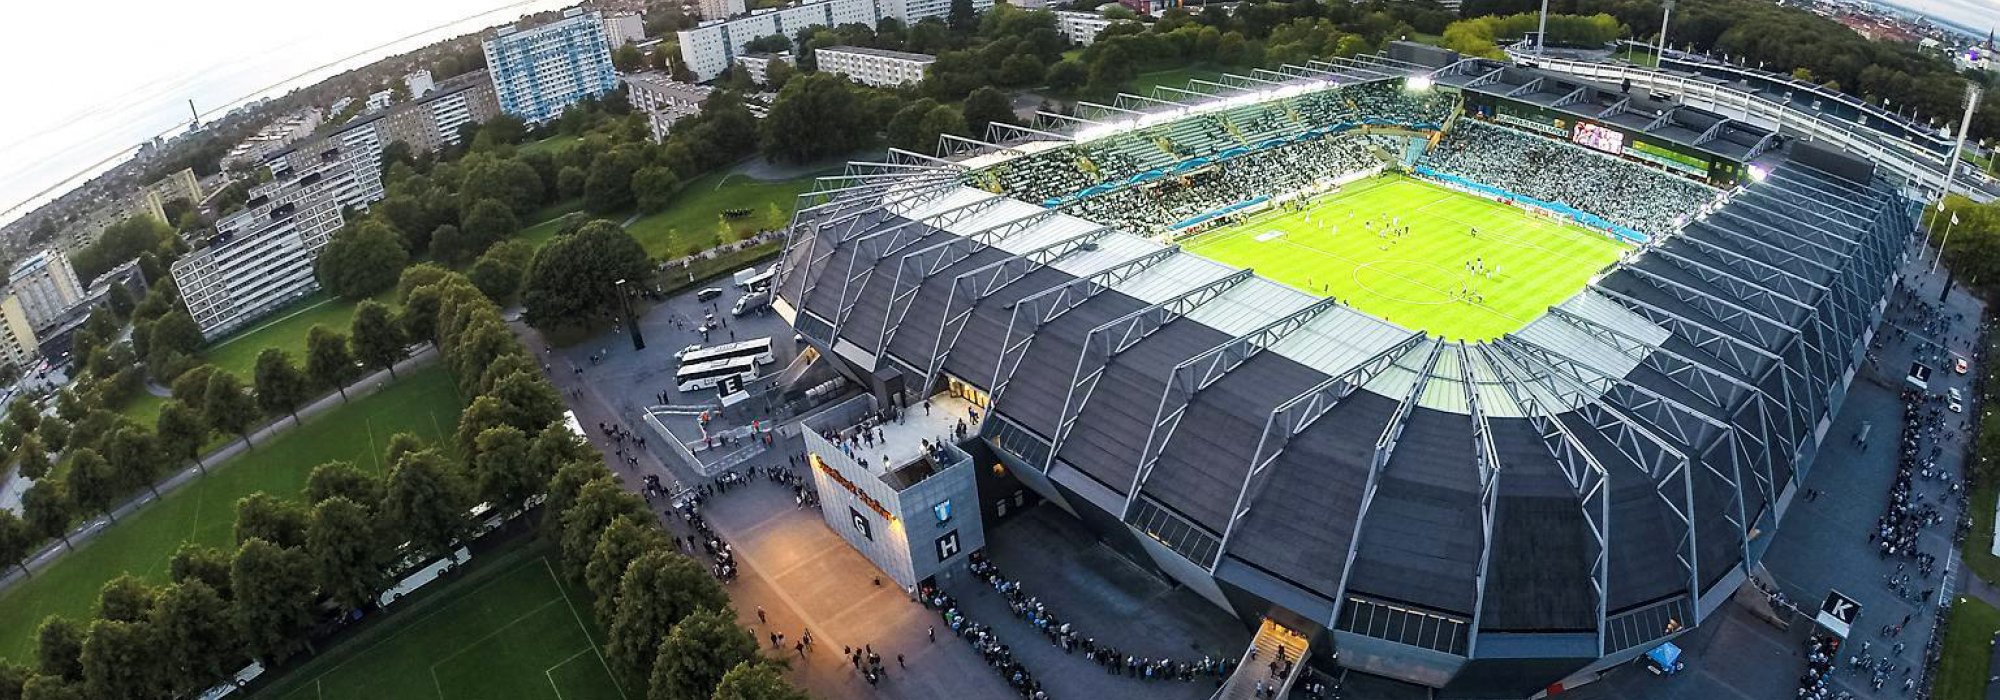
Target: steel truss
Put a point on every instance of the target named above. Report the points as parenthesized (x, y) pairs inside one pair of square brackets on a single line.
[(1295, 415), (1194, 374), (1487, 460), (1586, 476), (914, 268), (973, 286), (1107, 341), (1044, 306), (1385, 446), (872, 248)]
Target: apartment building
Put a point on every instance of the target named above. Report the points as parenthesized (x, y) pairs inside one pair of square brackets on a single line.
[(261, 258), (1080, 27), (46, 286), (19, 347), (663, 100), (757, 66), (86, 229), (622, 29), (722, 9), (714, 45), (276, 136), (540, 71), (419, 83), (435, 120), (180, 185), (875, 67)]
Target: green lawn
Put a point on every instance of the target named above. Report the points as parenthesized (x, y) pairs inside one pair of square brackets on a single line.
[(285, 328), (548, 145), (694, 220), (1419, 280), (546, 220), (511, 632), (143, 408), (1968, 647), (425, 403)]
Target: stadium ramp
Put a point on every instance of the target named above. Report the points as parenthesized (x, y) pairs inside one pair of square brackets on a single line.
[(1273, 641)]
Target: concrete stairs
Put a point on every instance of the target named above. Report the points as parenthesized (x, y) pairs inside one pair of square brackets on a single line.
[(1273, 641)]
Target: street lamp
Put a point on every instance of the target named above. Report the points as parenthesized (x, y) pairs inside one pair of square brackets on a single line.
[(631, 324)]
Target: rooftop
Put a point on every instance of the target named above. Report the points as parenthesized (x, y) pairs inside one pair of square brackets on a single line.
[(883, 53)]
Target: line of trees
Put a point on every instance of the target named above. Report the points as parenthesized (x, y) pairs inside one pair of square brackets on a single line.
[(302, 565)]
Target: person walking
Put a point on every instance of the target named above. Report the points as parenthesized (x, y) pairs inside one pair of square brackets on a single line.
[(932, 633), (760, 615), (899, 661)]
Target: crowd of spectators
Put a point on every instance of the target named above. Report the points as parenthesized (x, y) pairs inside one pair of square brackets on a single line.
[(1154, 207), (1060, 173), (1625, 193)]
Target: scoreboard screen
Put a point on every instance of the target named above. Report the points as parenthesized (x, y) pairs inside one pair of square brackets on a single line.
[(1600, 138)]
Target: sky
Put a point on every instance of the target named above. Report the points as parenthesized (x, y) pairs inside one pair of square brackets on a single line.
[(1976, 15), (86, 83)]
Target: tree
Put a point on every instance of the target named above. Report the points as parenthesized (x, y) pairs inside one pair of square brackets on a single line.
[(346, 551), (659, 589), (92, 482), (341, 479), (328, 361), (654, 187), (47, 507), (15, 541), (628, 58), (502, 473), (567, 485), (608, 188), (281, 387), (23, 418), (125, 599), (817, 115), (425, 500), (274, 598), (361, 261), (275, 520), (12, 677), (52, 688), (181, 432), (569, 181), (120, 661), (777, 74), (756, 681), (196, 562), (196, 638), (905, 130), (376, 338), (526, 400), (963, 18), (985, 106), (134, 455), (54, 434), (699, 651), (625, 540), (576, 276), (58, 648), (499, 273), (1022, 69), (227, 406), (599, 504), (1068, 75), (486, 222), (32, 457)]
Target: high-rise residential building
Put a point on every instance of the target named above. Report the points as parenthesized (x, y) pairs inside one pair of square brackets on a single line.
[(85, 229), (18, 344), (539, 72), (180, 185), (419, 83), (622, 29), (722, 9), (46, 285), (663, 100), (280, 133), (435, 120), (261, 258), (875, 67)]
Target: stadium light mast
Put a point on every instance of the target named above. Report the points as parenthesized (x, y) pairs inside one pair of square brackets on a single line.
[(1542, 32), (1666, 13), (1951, 169)]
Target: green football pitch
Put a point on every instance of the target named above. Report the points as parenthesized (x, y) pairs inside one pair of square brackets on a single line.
[(1441, 277), (512, 630)]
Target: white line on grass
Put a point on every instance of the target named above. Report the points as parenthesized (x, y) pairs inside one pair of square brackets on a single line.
[(482, 640), (550, 672), (586, 629)]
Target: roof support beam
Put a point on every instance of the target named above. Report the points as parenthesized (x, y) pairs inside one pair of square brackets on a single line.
[(1385, 447), (1488, 457), (1295, 415), (1712, 132), (1615, 108), (976, 285), (1044, 306), (1106, 342), (1191, 376)]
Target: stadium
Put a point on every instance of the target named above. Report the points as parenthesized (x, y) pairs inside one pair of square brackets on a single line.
[(1472, 375)]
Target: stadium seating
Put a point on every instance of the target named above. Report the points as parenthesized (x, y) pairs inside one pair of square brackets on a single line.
[(1155, 207), (1627, 194)]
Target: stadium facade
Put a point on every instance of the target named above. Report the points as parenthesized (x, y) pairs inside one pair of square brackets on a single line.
[(1487, 519)]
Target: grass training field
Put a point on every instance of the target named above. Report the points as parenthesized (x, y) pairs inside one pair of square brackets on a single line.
[(285, 329), (514, 631), (1968, 645), (1427, 279), (425, 403), (694, 221)]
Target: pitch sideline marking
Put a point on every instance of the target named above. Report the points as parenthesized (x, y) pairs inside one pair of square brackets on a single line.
[(580, 626), (482, 640)]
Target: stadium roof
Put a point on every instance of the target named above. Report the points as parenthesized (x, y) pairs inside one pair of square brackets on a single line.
[(1587, 477), (1636, 110)]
